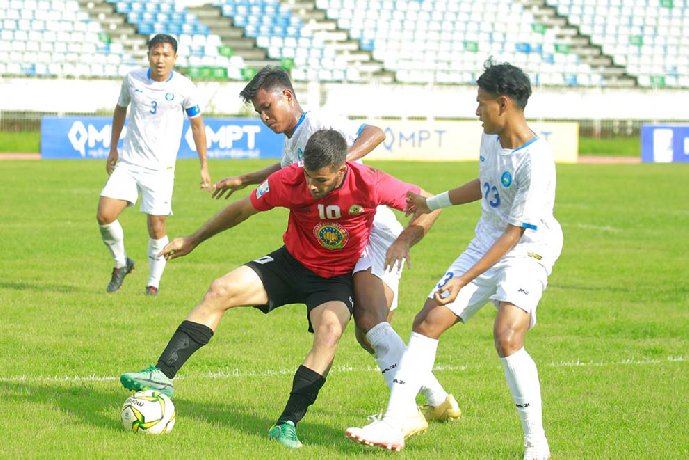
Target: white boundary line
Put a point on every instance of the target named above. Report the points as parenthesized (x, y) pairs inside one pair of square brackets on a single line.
[(238, 373)]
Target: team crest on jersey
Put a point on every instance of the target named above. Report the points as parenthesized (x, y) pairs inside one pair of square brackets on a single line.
[(506, 179), (331, 235), (262, 189), (169, 97), (355, 209), (300, 154)]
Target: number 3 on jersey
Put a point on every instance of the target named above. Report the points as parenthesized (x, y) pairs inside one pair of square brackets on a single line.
[(490, 193), (154, 107), (330, 212)]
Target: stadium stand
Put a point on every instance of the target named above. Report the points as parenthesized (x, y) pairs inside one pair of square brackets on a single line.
[(56, 38), (614, 43)]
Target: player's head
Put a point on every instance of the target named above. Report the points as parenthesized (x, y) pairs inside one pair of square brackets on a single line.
[(273, 98), (503, 90), (324, 161), (162, 54)]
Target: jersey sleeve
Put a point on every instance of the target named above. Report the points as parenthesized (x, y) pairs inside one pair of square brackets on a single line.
[(191, 101), (271, 193), (392, 191), (125, 98)]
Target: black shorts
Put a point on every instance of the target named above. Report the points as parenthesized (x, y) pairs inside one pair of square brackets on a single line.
[(287, 281)]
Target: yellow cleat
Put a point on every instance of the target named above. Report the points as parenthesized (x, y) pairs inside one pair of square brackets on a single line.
[(447, 411)]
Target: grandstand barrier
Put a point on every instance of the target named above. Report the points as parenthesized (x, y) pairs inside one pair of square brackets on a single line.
[(88, 137), (665, 143), (460, 140)]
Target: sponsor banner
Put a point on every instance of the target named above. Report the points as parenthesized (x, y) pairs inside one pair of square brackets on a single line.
[(665, 143), (429, 140), (88, 137)]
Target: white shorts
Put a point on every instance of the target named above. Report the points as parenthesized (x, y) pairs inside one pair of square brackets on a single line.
[(128, 180), (516, 280), (385, 231)]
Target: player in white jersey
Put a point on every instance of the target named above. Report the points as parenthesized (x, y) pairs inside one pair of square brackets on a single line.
[(508, 262), (159, 99), (375, 287)]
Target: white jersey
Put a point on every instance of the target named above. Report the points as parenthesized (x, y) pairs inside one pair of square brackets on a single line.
[(309, 123), (384, 221), (518, 187), (156, 117)]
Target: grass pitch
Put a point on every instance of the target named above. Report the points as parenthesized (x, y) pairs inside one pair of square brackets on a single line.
[(612, 342)]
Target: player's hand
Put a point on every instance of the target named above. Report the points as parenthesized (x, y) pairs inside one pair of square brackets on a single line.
[(227, 187), (396, 256), (179, 247), (206, 181), (111, 161), (416, 204), (448, 293)]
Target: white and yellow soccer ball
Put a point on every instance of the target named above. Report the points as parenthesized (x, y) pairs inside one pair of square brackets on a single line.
[(149, 412)]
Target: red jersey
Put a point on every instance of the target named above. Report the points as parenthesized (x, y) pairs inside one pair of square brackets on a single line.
[(327, 235)]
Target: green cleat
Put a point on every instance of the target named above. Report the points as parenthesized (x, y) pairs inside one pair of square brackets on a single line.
[(150, 378), (286, 434)]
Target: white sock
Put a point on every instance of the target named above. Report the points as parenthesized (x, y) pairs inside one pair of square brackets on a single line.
[(416, 363), (433, 391), (113, 237), (522, 379), (156, 264), (389, 349)]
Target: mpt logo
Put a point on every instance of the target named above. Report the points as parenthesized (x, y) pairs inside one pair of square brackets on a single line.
[(82, 136)]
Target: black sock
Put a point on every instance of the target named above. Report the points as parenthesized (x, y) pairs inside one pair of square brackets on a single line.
[(305, 388), (188, 338)]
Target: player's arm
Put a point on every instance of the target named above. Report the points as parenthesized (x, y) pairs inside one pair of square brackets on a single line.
[(118, 117), (369, 138), (503, 245), (233, 214), (198, 132), (229, 185), (418, 226), (467, 193)]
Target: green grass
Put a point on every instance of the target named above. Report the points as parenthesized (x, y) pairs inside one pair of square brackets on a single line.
[(20, 142), (611, 343), (617, 146)]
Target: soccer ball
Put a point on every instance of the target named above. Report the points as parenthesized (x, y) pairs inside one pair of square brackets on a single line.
[(149, 412)]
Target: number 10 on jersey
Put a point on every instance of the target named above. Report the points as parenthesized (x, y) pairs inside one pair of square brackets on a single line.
[(330, 212)]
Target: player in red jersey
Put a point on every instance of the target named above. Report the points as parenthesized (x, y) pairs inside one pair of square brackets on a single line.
[(332, 203)]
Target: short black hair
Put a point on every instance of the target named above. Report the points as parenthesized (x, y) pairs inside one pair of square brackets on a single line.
[(326, 147), (267, 78), (161, 39), (505, 80)]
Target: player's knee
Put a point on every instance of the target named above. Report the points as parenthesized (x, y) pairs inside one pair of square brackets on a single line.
[(328, 333), (219, 292), (507, 341), (104, 218)]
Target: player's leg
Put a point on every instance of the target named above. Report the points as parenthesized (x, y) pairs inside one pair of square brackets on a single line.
[(329, 321), (118, 193), (157, 240), (329, 307), (524, 285), (156, 202), (242, 286), (419, 358), (402, 417)]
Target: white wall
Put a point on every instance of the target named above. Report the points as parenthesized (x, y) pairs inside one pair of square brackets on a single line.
[(370, 101)]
